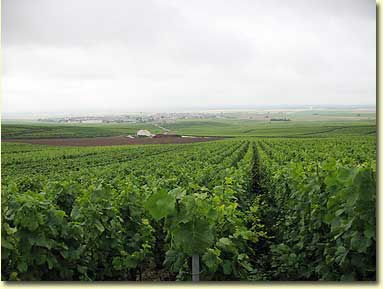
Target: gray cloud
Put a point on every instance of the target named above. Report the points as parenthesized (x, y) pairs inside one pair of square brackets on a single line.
[(155, 54)]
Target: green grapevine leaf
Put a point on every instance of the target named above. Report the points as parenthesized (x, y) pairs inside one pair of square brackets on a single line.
[(160, 204)]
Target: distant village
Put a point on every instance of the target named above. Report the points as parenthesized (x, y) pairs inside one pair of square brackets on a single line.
[(136, 118), (166, 117)]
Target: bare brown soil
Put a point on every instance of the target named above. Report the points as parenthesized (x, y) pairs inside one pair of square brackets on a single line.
[(110, 141)]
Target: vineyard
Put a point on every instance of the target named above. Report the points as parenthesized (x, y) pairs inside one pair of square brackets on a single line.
[(237, 209)]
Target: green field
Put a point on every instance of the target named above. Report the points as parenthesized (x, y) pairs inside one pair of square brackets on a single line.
[(49, 130), (275, 129), (209, 127), (251, 208)]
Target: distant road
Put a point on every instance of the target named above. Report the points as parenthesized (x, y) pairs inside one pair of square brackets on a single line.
[(165, 129)]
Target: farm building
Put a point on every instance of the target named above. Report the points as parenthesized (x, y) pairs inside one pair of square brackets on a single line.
[(144, 133)]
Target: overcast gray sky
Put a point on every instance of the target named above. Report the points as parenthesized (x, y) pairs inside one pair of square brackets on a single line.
[(152, 55)]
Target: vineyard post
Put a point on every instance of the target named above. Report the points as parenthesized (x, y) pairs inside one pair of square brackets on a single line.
[(195, 268)]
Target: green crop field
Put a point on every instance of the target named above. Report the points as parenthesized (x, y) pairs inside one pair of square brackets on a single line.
[(300, 207), (208, 127), (276, 129), (49, 130)]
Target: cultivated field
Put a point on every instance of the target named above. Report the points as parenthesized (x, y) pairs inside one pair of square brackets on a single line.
[(300, 207), (110, 141), (207, 127), (241, 127), (36, 130)]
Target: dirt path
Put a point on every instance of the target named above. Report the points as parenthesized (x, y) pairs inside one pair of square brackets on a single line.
[(109, 141), (164, 129)]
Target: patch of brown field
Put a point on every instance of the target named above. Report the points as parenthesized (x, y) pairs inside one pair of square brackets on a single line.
[(110, 141)]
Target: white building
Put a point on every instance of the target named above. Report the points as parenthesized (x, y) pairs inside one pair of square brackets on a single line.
[(144, 133)]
